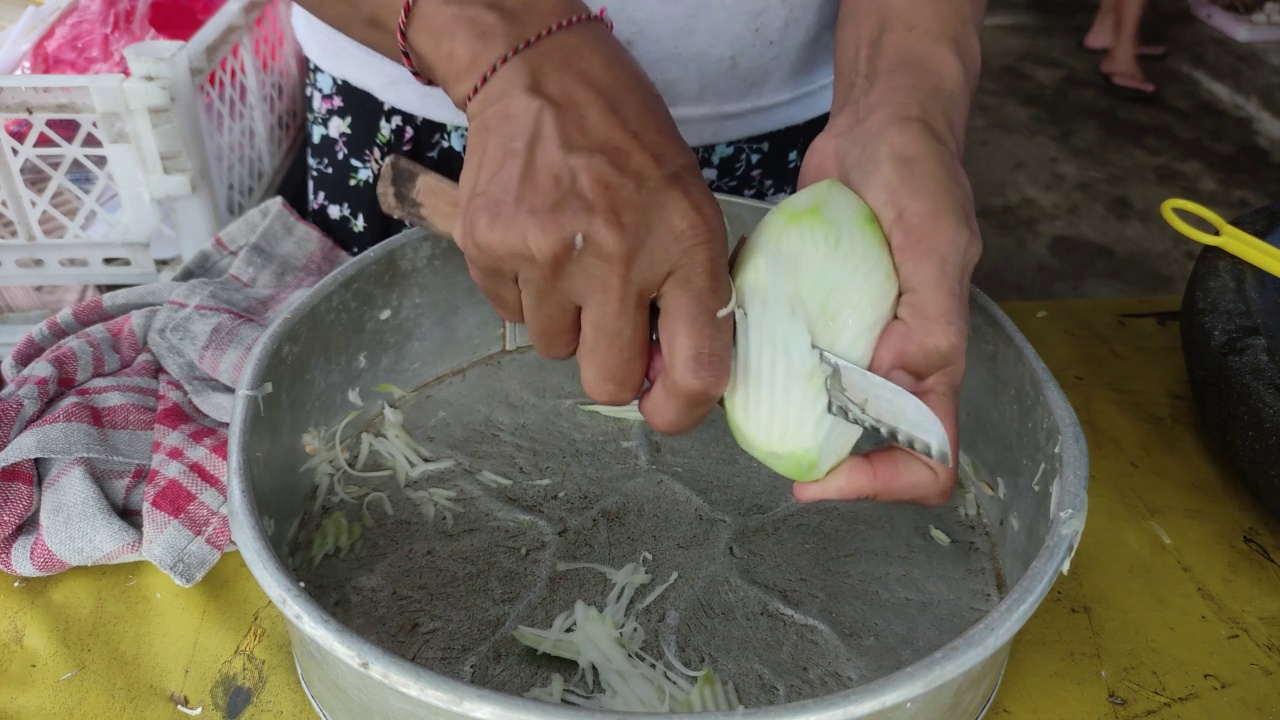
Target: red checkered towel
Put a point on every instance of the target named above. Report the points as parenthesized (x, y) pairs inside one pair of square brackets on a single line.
[(113, 421)]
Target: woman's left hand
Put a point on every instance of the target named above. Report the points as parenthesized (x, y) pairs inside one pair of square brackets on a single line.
[(912, 178)]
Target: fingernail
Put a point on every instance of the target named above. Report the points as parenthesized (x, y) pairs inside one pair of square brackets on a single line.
[(807, 493)]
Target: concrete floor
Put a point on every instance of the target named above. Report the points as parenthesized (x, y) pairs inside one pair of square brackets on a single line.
[(1069, 178)]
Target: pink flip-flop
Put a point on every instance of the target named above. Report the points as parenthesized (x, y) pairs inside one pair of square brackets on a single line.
[(1128, 87)]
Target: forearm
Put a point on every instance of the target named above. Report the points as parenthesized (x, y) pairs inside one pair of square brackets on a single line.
[(452, 41), (908, 59)]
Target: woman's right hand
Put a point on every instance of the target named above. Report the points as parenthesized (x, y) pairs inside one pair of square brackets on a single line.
[(580, 204)]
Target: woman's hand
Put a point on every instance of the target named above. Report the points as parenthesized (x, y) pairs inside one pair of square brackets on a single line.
[(911, 177), (580, 204), (580, 201)]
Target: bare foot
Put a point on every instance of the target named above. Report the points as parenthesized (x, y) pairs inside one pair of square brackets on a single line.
[(1133, 83), (1115, 63), (1125, 72)]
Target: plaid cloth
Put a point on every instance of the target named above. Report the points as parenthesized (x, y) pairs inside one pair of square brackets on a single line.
[(113, 420)]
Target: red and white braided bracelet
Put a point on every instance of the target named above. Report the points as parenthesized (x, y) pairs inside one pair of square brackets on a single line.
[(402, 39)]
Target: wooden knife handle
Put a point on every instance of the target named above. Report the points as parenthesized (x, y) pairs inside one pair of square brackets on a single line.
[(410, 192)]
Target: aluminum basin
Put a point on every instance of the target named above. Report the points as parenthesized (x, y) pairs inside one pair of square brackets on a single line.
[(407, 313)]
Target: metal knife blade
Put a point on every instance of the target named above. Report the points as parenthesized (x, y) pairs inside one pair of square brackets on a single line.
[(873, 403)]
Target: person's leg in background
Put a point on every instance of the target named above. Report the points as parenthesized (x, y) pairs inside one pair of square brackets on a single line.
[(1121, 61), (1102, 33), (1116, 31)]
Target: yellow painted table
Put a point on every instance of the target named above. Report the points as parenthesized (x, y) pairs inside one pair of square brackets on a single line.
[(1171, 610)]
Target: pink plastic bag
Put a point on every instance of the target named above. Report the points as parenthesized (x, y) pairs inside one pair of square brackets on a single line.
[(89, 38), (91, 35)]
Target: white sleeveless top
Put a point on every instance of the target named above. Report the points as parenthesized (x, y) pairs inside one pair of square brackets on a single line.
[(727, 69)]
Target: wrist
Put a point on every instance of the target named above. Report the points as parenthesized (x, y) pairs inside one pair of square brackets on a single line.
[(903, 64), (453, 42), (909, 102), (882, 122)]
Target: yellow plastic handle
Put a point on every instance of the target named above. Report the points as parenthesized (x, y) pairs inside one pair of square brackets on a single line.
[(1230, 238)]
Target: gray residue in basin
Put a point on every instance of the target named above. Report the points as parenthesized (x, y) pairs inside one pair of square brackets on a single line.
[(788, 601)]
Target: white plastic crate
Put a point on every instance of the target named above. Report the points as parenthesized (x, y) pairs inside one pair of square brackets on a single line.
[(96, 169)]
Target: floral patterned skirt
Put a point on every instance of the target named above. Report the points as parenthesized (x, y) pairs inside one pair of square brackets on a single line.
[(351, 132)]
